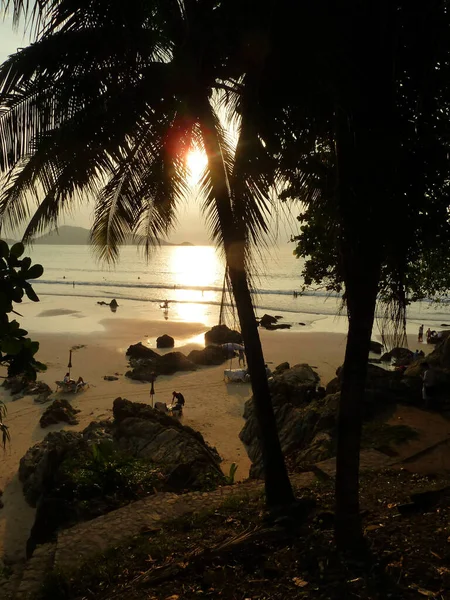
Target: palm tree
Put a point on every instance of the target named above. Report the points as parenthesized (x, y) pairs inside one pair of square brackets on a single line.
[(106, 103)]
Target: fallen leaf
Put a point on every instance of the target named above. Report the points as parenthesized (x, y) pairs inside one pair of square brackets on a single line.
[(373, 527), (299, 582), (423, 591)]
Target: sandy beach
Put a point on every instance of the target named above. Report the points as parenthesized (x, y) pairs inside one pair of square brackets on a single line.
[(99, 340)]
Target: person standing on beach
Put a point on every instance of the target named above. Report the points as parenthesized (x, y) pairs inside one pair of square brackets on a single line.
[(420, 336), (242, 357), (429, 384)]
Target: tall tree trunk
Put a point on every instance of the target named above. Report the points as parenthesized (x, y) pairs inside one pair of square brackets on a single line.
[(361, 303), (277, 485)]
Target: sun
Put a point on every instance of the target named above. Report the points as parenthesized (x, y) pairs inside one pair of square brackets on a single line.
[(196, 162)]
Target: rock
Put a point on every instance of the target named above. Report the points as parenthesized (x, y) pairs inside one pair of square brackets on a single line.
[(402, 356), (145, 370), (165, 341), (304, 324), (146, 364), (110, 378), (71, 477), (221, 334), (25, 387), (266, 320), (60, 411), (306, 420), (376, 347), (211, 355), (35, 466), (149, 433), (113, 303), (281, 368), (278, 317), (278, 326), (140, 351)]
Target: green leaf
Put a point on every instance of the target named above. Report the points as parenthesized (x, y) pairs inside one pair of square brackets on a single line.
[(34, 272), (26, 263), (11, 346), (4, 249), (17, 250), (31, 293)]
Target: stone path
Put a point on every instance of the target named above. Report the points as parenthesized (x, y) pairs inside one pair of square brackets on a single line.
[(86, 540)]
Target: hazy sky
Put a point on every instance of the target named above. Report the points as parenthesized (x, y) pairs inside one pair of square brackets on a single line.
[(191, 226)]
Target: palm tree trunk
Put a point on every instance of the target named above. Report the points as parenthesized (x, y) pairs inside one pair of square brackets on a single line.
[(361, 302), (277, 485)]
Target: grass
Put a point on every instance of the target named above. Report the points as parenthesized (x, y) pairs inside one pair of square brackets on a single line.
[(175, 538), (406, 554), (377, 434)]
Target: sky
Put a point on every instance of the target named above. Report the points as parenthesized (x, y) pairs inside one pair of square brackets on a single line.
[(191, 224)]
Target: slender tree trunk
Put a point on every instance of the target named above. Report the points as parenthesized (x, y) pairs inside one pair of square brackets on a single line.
[(361, 302), (277, 485)]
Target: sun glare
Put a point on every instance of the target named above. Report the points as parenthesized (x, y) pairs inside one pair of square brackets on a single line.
[(196, 162)]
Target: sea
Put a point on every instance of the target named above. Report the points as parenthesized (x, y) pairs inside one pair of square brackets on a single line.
[(191, 280)]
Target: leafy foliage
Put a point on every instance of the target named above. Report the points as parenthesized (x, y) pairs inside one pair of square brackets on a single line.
[(17, 351)]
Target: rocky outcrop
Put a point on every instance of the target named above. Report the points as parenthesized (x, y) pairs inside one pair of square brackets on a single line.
[(376, 347), (59, 411), (165, 341), (73, 477), (278, 326), (211, 355), (146, 369), (37, 466), (21, 386), (164, 441), (306, 420), (401, 356), (221, 334), (382, 387)]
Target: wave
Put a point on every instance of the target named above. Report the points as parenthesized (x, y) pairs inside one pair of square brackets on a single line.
[(162, 286)]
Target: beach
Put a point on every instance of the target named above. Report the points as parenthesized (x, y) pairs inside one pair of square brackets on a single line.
[(69, 317), (99, 340)]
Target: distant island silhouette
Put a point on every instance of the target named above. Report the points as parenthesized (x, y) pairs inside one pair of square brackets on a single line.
[(79, 236)]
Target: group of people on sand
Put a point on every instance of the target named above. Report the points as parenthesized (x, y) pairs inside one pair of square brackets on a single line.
[(429, 334)]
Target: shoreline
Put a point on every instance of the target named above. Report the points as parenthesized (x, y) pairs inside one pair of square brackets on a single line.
[(100, 339)]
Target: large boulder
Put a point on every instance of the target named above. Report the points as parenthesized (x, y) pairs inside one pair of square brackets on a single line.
[(211, 355), (39, 463), (144, 369), (221, 334), (383, 387), (266, 320), (165, 341), (72, 477), (401, 356), (376, 347), (140, 351), (147, 433), (59, 411), (306, 421), (23, 386)]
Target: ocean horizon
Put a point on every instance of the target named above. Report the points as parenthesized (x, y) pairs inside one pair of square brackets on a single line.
[(190, 278)]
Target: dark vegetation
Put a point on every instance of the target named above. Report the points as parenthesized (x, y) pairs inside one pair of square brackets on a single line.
[(364, 144), (17, 352), (236, 551)]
